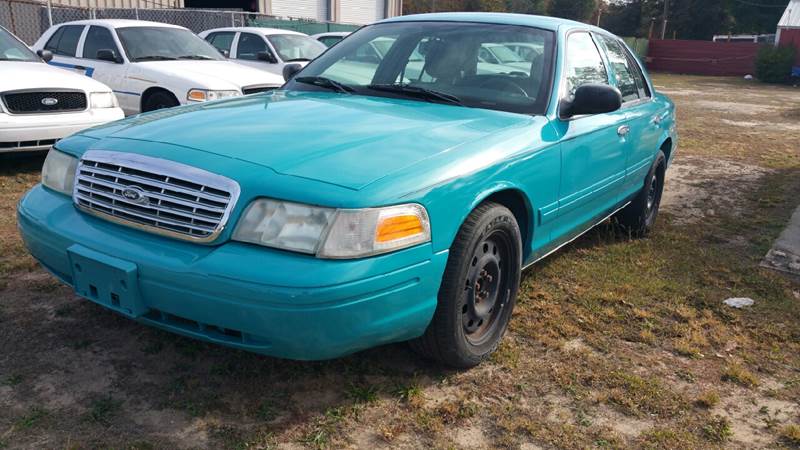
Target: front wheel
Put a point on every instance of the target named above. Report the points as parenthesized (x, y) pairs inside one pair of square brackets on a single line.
[(639, 217), (478, 290)]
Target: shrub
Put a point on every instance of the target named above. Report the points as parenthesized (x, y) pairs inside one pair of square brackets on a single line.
[(774, 64)]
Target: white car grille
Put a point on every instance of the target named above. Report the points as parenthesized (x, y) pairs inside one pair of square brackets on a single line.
[(154, 195)]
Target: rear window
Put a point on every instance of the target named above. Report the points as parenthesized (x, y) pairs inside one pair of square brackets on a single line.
[(65, 40)]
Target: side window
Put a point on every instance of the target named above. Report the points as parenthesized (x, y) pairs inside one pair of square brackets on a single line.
[(65, 41), (250, 45), (644, 89), (583, 63), (52, 43), (623, 71), (98, 38), (222, 41), (330, 40)]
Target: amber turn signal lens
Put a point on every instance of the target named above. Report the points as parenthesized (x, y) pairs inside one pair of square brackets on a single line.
[(398, 227)]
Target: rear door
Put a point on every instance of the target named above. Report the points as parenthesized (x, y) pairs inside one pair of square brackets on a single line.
[(64, 45), (641, 113)]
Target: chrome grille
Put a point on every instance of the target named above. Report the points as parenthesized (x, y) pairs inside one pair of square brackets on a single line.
[(154, 194)]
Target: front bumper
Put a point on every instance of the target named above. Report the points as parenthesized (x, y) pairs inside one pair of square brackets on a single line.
[(29, 132), (257, 299)]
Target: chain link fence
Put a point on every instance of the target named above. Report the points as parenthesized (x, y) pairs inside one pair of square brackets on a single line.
[(29, 19)]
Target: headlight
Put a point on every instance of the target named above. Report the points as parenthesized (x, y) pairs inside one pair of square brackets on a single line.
[(58, 172), (332, 233), (103, 100), (205, 95)]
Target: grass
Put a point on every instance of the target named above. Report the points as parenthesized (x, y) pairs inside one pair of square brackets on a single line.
[(615, 343), (735, 373)]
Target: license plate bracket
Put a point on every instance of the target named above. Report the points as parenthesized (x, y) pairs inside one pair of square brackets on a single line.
[(106, 280)]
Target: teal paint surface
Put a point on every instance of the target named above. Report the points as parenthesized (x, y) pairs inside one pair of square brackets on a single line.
[(348, 151)]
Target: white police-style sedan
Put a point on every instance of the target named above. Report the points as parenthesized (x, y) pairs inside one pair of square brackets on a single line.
[(150, 65), (40, 104)]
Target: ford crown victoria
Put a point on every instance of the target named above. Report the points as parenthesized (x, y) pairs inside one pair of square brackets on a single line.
[(407, 211), (40, 104), (150, 65)]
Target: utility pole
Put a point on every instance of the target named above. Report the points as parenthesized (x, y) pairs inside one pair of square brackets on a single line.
[(666, 19)]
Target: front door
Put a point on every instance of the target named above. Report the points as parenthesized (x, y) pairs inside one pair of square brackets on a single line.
[(247, 49), (110, 73), (592, 146)]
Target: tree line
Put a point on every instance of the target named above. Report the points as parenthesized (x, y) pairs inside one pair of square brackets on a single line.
[(686, 19)]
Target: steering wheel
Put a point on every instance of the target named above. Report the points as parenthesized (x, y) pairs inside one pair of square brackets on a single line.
[(505, 85)]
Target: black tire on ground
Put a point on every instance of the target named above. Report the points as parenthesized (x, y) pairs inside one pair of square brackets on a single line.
[(639, 217), (159, 100), (478, 290)]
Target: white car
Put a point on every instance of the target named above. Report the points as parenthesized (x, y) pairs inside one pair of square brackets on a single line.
[(150, 65), (267, 49), (41, 104), (330, 38)]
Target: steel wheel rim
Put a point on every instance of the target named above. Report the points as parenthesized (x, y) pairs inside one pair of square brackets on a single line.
[(486, 290)]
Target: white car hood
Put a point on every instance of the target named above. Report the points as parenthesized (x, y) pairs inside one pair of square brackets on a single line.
[(212, 74), (15, 75)]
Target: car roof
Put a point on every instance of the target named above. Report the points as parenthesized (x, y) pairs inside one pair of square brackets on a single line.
[(332, 33), (543, 22), (121, 23), (258, 30)]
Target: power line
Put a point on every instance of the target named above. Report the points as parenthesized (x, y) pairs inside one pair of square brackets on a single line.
[(760, 5)]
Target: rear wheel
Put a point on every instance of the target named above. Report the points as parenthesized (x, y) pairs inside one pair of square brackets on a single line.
[(478, 290), (159, 100), (639, 217)]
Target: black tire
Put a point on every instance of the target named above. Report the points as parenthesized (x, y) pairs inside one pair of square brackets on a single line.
[(159, 100), (639, 217), (478, 290)]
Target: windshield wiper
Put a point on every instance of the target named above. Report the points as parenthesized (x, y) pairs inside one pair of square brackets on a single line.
[(199, 57), (156, 58), (326, 83), (419, 91)]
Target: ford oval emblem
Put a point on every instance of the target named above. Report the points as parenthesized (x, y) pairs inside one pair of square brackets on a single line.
[(135, 194), (49, 101)]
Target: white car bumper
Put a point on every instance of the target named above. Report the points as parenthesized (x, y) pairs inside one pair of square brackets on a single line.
[(28, 132)]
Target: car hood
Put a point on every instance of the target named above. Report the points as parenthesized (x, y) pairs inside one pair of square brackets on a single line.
[(212, 74), (37, 75), (346, 140)]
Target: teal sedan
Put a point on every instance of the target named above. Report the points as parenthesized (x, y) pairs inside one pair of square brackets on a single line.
[(367, 201)]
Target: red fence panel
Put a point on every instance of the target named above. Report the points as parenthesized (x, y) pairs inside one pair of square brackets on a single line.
[(702, 57), (791, 36)]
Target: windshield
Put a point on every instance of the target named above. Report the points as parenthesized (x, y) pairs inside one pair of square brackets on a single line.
[(437, 61), (164, 43), (11, 49), (295, 47)]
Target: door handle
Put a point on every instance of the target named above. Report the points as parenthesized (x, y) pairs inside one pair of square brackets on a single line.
[(623, 130)]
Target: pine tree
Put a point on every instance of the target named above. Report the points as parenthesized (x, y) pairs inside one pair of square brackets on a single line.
[(580, 10)]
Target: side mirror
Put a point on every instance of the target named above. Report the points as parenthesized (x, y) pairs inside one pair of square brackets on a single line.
[(225, 53), (290, 70), (592, 99), (46, 55), (105, 54), (266, 56)]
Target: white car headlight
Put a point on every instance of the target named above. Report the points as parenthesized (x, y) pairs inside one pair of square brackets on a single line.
[(205, 95), (58, 172), (333, 233), (103, 100)]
